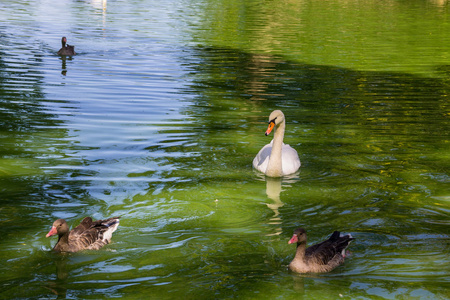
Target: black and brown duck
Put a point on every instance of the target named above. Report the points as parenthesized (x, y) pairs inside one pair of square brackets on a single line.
[(66, 50)]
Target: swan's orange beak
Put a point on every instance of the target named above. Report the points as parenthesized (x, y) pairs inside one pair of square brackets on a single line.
[(52, 231), (270, 128), (294, 239)]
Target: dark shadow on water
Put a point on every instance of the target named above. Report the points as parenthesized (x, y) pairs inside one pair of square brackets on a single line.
[(271, 81)]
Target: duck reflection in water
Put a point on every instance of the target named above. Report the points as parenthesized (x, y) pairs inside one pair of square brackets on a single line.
[(63, 65), (58, 286)]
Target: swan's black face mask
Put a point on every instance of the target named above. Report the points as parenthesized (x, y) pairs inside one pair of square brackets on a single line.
[(271, 126)]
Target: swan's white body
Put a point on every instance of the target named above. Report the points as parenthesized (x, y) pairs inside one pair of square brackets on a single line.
[(277, 159)]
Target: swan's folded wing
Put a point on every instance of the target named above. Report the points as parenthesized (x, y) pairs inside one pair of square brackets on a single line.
[(261, 160), (290, 160)]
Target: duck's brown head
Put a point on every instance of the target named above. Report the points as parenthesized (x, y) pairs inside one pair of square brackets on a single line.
[(59, 227), (299, 236)]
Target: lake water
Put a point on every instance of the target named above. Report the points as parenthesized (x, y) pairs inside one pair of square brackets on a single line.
[(157, 120)]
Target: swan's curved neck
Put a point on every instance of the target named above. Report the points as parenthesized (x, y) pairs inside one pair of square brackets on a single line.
[(274, 167)]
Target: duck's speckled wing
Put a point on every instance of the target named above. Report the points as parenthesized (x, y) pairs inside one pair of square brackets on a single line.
[(326, 251), (92, 235)]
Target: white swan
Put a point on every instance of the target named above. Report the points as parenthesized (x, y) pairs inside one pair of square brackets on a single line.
[(277, 159)]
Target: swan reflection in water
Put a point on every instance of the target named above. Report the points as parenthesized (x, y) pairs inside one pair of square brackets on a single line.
[(274, 186)]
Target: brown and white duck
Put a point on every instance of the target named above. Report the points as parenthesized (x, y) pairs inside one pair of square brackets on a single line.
[(88, 235), (66, 50), (319, 258)]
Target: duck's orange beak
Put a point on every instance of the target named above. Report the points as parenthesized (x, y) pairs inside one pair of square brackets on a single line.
[(52, 231), (270, 128)]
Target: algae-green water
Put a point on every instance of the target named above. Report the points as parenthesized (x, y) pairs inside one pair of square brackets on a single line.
[(158, 118)]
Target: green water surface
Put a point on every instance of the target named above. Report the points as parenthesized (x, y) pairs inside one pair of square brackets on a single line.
[(158, 118)]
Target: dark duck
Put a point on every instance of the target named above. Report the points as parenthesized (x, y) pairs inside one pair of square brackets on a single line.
[(66, 50)]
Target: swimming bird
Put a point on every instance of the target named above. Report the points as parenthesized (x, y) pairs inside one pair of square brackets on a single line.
[(88, 235), (319, 258), (66, 50), (276, 158)]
